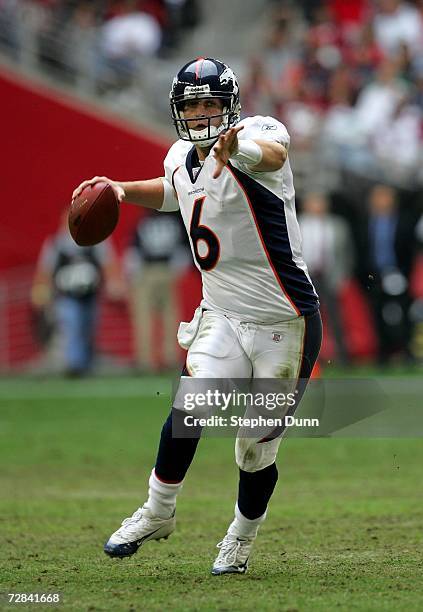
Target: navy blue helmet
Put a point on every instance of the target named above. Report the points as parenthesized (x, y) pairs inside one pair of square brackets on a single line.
[(205, 77)]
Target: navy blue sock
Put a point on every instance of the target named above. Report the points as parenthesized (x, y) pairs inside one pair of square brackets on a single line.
[(176, 454), (255, 490)]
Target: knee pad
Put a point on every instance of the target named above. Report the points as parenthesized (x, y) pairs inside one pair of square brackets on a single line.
[(252, 456)]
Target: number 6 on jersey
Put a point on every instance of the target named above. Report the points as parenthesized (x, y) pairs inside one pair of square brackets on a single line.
[(203, 233)]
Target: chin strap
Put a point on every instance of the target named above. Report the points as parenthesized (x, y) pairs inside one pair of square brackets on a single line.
[(205, 144), (202, 140)]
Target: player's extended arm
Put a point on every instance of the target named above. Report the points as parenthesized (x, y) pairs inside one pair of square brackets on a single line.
[(260, 155), (149, 193), (273, 158)]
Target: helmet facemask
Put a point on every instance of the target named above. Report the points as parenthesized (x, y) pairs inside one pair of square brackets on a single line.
[(207, 136), (226, 90)]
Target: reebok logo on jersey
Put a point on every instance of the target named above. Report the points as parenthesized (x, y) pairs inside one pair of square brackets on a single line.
[(199, 190), (276, 337)]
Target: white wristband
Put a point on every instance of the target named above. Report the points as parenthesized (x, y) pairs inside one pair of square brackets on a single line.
[(170, 202), (249, 152)]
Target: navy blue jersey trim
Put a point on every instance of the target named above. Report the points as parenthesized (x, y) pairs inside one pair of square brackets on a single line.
[(192, 162), (173, 176), (269, 212), (185, 371)]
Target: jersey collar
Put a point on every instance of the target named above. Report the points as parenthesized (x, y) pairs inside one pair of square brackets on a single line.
[(193, 164)]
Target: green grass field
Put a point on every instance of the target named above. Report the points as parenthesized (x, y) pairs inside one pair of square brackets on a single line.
[(344, 530)]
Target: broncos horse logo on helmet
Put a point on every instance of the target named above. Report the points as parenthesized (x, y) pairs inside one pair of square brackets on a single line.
[(205, 78)]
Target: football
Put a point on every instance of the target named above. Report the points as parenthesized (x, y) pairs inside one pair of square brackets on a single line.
[(93, 214)]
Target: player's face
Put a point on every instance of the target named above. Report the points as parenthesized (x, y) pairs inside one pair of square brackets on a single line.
[(196, 110)]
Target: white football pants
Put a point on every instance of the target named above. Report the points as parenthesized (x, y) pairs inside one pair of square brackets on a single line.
[(225, 347)]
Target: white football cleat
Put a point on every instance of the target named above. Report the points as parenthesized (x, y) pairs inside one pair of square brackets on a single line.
[(139, 528), (233, 555)]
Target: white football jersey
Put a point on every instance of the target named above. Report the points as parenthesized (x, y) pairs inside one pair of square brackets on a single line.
[(243, 231)]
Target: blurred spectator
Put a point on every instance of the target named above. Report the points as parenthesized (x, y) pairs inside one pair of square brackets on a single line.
[(258, 90), (9, 31), (328, 252), (156, 257), (124, 40), (349, 16), (395, 23), (67, 282), (81, 53), (308, 7), (402, 135), (274, 74), (361, 138), (387, 251), (181, 15), (338, 125), (305, 97), (303, 117), (282, 46), (379, 99), (363, 55)]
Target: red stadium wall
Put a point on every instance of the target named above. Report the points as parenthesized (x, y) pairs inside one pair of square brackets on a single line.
[(51, 142)]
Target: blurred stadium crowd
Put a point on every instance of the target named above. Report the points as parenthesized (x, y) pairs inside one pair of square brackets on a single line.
[(347, 80), (345, 77), (102, 40)]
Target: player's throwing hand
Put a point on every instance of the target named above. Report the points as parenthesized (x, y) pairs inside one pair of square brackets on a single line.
[(119, 191), (226, 146)]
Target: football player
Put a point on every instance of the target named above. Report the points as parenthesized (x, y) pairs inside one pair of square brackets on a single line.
[(259, 316)]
